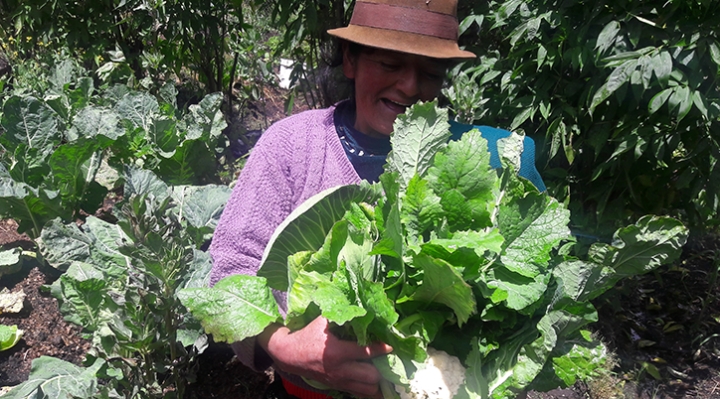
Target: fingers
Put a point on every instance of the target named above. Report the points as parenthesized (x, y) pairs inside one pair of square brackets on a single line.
[(316, 353), (378, 349), (351, 350)]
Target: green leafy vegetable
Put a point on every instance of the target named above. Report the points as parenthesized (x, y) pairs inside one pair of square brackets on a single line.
[(55, 378), (10, 261), (9, 336), (444, 252)]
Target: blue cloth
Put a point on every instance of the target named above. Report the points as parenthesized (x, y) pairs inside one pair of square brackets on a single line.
[(368, 154), (492, 135)]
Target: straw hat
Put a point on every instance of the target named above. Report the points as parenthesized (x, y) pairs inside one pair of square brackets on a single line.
[(423, 27)]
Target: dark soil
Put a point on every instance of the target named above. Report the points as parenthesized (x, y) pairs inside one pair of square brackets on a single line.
[(46, 333), (664, 328)]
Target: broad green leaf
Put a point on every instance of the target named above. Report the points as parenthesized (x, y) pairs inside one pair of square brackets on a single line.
[(522, 116), (532, 226), (663, 66), (698, 100), (443, 284), (237, 307), (491, 364), (82, 297), (417, 136), (97, 243), (9, 336), (581, 281), (191, 163), (10, 261), (394, 234), (642, 247), (168, 94), (420, 208), (607, 36), (510, 150), (198, 275), (306, 227), (533, 355), (32, 208), (144, 182), (163, 135), (205, 120), (56, 378), (465, 166), (680, 99), (325, 260), (478, 241), (332, 301), (29, 121), (714, 48), (139, 108), (659, 99), (73, 167), (646, 71), (583, 361), (355, 255), (201, 206), (617, 78), (91, 122), (60, 103), (392, 368), (518, 292), (63, 73), (79, 271)]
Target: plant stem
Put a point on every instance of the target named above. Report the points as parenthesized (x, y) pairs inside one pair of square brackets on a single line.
[(387, 389)]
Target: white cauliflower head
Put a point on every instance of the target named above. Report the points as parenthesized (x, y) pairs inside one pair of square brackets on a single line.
[(439, 377)]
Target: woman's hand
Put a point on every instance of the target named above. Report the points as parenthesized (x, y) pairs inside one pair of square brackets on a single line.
[(314, 352)]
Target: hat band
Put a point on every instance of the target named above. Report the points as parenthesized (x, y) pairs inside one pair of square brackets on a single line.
[(404, 19)]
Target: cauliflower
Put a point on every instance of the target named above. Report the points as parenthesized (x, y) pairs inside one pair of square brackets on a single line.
[(439, 377)]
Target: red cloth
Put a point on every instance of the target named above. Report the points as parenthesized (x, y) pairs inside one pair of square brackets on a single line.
[(302, 393)]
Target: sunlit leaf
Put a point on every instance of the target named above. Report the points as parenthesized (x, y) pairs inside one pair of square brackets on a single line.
[(607, 36), (663, 66), (699, 101), (659, 99), (617, 78)]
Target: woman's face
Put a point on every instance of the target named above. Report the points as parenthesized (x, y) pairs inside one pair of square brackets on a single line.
[(387, 82)]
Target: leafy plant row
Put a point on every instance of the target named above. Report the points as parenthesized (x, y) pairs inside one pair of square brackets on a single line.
[(64, 148), (120, 283)]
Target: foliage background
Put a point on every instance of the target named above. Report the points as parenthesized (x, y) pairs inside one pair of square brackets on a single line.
[(623, 96)]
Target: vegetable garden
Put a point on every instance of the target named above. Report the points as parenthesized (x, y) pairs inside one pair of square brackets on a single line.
[(124, 124)]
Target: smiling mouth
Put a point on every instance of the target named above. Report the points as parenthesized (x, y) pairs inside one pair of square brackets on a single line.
[(396, 106)]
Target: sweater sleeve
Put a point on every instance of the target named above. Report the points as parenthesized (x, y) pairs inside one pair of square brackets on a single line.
[(259, 202)]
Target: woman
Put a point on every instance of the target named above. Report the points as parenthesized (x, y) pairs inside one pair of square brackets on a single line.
[(397, 53)]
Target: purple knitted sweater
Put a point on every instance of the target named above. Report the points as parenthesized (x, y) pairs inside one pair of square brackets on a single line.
[(294, 159)]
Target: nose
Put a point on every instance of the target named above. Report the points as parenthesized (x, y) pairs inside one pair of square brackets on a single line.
[(409, 83)]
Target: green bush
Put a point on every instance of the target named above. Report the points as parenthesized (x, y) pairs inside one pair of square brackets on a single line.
[(623, 96), (153, 38)]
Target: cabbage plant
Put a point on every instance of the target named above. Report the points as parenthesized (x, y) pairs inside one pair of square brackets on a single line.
[(444, 252)]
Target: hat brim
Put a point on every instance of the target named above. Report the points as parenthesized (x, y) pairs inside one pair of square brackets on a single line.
[(403, 42)]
